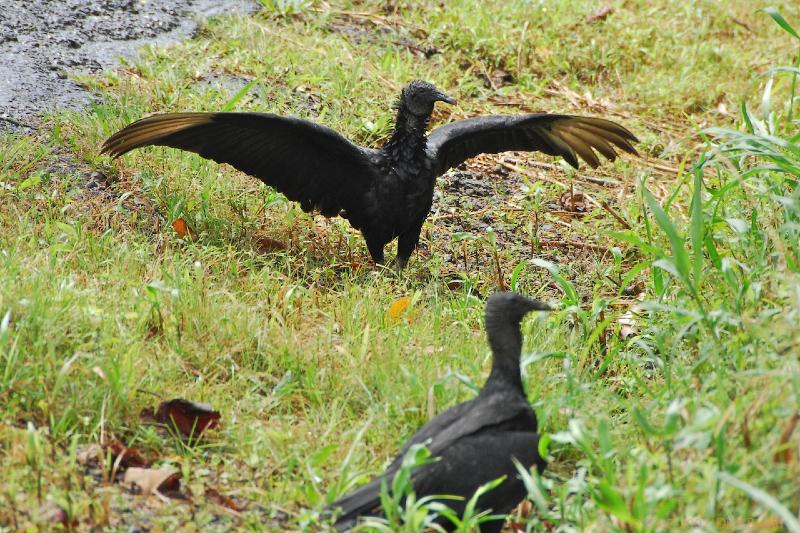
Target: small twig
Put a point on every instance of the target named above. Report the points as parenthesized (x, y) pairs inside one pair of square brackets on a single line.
[(614, 214), (660, 166), (601, 181), (742, 24)]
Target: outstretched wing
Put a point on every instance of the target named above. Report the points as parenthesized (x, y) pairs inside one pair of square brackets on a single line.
[(565, 135), (307, 162)]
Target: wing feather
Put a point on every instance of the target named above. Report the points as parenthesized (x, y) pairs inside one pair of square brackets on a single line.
[(567, 136), (307, 162)]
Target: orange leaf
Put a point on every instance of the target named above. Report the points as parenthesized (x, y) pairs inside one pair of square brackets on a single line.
[(182, 228), (398, 307)]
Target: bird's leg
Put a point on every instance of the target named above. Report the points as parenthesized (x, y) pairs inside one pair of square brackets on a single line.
[(406, 244), (375, 247)]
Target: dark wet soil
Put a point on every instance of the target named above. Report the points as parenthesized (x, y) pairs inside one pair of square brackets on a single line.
[(41, 41)]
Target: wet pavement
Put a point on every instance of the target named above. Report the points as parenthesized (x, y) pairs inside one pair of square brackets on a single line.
[(43, 40)]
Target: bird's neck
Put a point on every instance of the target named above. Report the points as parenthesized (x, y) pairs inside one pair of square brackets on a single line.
[(408, 139), (505, 340)]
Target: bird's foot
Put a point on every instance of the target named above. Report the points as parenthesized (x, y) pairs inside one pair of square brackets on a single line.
[(400, 263)]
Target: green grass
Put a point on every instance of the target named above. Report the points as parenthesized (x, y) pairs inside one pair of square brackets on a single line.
[(683, 425)]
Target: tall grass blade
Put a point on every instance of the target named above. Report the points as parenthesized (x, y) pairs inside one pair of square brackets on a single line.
[(778, 18), (767, 500), (238, 96)]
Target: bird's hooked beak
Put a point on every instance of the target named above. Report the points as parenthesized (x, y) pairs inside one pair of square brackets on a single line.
[(441, 97), (535, 305)]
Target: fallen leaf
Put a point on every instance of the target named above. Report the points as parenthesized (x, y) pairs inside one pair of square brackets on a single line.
[(128, 457), (88, 454), (573, 201), (191, 419), (455, 282), (99, 372), (214, 496), (398, 307), (785, 453), (266, 245), (600, 14), (517, 522), (500, 78), (182, 228), (628, 325), (149, 480)]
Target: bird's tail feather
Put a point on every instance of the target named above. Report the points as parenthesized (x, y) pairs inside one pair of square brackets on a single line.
[(364, 501)]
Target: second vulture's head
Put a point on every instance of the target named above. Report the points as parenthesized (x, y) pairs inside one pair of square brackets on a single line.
[(419, 97), (510, 307)]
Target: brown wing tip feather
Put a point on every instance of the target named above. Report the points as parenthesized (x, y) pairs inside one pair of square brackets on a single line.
[(151, 130), (585, 135)]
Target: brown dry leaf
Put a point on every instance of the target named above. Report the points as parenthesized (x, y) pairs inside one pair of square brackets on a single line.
[(600, 14), (785, 454), (182, 228), (117, 451), (517, 522), (500, 78), (627, 321), (266, 245), (149, 480), (214, 496), (398, 307), (88, 454), (573, 201), (129, 457), (191, 419)]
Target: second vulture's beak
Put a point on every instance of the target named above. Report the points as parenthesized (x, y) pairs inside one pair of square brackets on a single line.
[(441, 97)]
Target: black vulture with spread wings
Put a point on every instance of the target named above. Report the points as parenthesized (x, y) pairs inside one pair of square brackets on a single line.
[(387, 192), (474, 442)]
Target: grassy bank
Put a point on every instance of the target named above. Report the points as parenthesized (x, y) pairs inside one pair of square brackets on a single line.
[(667, 380)]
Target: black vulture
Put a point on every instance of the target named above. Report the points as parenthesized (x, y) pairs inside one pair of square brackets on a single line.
[(385, 193), (474, 441)]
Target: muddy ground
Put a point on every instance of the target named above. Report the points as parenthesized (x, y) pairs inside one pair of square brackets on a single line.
[(41, 41)]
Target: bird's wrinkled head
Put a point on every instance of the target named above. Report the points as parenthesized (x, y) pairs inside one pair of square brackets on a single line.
[(419, 97), (511, 307)]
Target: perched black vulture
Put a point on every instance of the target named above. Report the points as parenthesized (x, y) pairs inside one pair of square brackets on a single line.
[(385, 192), (474, 441)]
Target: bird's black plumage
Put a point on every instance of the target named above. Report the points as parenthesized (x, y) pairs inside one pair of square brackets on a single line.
[(475, 440), (385, 193)]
